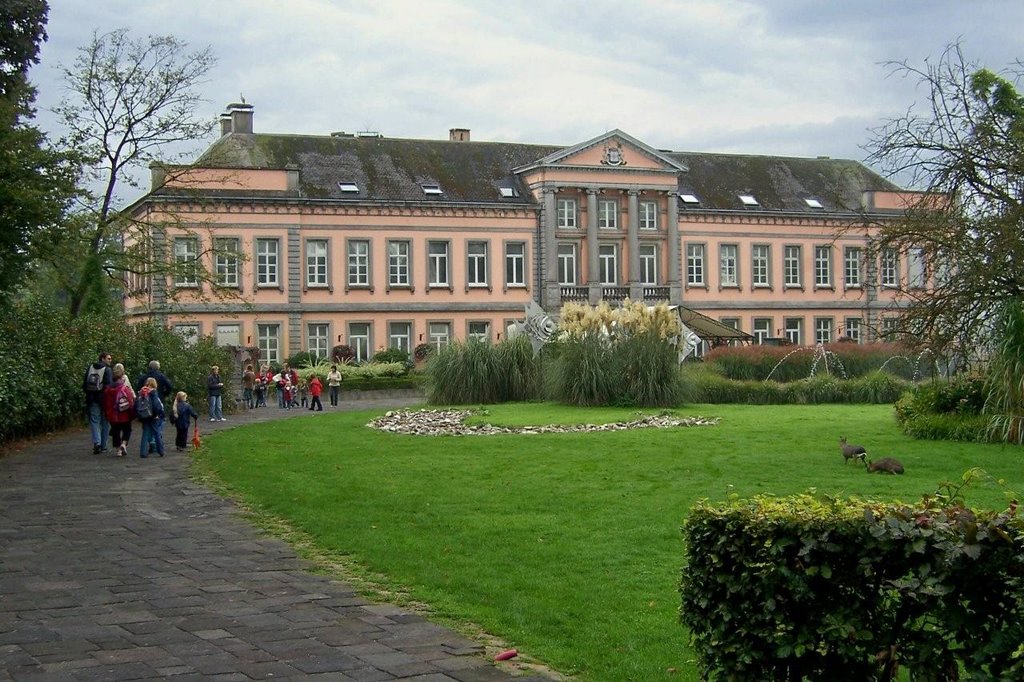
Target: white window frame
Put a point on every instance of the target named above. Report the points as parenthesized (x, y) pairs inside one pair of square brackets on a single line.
[(477, 264), (607, 214), (268, 261), (695, 272), (760, 265), (268, 341), (567, 211), (917, 268), (792, 255), (318, 340), (360, 336), (890, 327), (357, 263), (608, 262), (225, 262), (648, 215), (761, 329), (648, 264), (728, 265), (188, 331), (438, 259), (316, 263), (515, 264), (186, 262), (793, 330), (439, 334), (890, 268), (823, 267), (824, 330), (479, 330), (854, 328), (400, 336), (567, 269), (852, 260), (399, 263)]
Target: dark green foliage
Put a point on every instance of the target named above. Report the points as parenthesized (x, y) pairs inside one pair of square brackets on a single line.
[(1004, 402), (795, 363), (944, 410), (583, 372), (708, 385), (44, 354), (520, 370), (647, 372), (393, 355), (805, 588), (302, 359), (464, 372)]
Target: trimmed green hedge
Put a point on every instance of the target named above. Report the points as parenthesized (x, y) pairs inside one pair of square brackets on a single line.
[(808, 588), (706, 385), (844, 360)]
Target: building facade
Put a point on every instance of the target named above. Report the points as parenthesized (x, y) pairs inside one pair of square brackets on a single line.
[(358, 239)]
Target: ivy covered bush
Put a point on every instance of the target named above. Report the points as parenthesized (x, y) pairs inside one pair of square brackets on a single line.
[(822, 589)]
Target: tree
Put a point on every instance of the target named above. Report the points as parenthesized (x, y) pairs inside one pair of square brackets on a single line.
[(36, 181), (965, 149), (129, 101)]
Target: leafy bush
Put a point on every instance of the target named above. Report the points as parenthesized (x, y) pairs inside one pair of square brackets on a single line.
[(393, 355), (807, 588), (465, 372), (789, 363), (708, 385), (944, 410)]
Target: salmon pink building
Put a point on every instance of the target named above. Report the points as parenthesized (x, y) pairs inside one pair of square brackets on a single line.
[(372, 242)]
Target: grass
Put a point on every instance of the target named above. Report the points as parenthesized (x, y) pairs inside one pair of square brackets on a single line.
[(564, 546)]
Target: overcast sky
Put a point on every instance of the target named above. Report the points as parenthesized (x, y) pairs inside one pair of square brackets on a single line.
[(785, 77)]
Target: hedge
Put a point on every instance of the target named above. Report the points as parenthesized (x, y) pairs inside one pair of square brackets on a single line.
[(824, 589), (706, 385), (843, 360)]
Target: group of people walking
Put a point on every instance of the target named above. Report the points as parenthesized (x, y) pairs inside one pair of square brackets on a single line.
[(292, 390), (114, 405)]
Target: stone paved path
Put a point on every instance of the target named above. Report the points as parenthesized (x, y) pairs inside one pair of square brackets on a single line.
[(125, 569)]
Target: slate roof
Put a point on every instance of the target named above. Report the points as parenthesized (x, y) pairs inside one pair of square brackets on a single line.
[(390, 170)]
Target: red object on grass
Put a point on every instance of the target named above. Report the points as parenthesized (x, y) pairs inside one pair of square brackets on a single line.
[(505, 655), (196, 442)]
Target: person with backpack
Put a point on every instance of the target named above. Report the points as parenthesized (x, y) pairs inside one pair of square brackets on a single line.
[(164, 387), (119, 408), (150, 411), (94, 384)]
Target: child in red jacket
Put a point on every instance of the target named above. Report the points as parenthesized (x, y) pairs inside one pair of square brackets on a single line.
[(315, 389)]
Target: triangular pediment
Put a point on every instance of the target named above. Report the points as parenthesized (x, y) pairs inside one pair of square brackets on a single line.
[(614, 149)]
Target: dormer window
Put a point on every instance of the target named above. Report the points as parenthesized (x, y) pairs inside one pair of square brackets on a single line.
[(432, 189), (813, 203), (748, 200), (508, 192), (689, 198), (348, 187)]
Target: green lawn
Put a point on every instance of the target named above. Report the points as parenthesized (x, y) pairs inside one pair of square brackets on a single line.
[(565, 546)]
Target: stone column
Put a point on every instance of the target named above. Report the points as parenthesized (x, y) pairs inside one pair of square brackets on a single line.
[(675, 288), (593, 262), (551, 298), (633, 241)]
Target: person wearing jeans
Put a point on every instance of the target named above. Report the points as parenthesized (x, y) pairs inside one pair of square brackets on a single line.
[(214, 386), (94, 399)]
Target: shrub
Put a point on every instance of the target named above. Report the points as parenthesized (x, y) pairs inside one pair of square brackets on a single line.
[(789, 363), (393, 355), (583, 371), (342, 353), (807, 588), (944, 410), (707, 385), (519, 370), (464, 372), (1005, 388)]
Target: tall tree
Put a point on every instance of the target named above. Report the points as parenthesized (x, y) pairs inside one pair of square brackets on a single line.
[(965, 148), (129, 101), (36, 181)]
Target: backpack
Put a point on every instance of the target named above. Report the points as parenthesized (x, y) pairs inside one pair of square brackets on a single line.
[(94, 378), (122, 400), (144, 406)]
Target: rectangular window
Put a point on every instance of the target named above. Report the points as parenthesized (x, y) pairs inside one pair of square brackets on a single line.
[(648, 215), (515, 264), (316, 263), (791, 266), (228, 334), (268, 340), (439, 334), (358, 263), (918, 273), (649, 264), (186, 261), (823, 330), (760, 257), (267, 262), (794, 330), (226, 261), (851, 266), (567, 265), (728, 276), (400, 336), (437, 264), (695, 265), (318, 340), (890, 328), (189, 332), (853, 325), (359, 340), (608, 214), (567, 212), (479, 330), (822, 266), (398, 264), (762, 329), (476, 264), (608, 257), (890, 268)]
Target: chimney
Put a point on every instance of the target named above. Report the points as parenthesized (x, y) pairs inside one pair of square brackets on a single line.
[(458, 134), (225, 124), (241, 117), (158, 175)]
